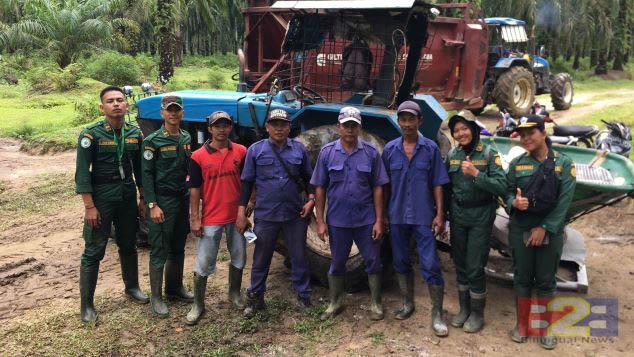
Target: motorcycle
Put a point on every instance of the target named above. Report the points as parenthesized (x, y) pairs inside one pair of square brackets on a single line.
[(574, 135), (617, 138)]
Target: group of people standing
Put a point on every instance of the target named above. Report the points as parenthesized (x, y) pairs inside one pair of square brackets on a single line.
[(407, 190)]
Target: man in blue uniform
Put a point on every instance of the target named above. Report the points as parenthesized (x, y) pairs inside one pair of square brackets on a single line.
[(415, 195), (350, 173), (280, 169)]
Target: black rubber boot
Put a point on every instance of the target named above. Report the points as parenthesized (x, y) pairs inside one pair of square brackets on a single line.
[(515, 333), (406, 286), (336, 285), (438, 325), (198, 308), (376, 306), (255, 302), (156, 283), (174, 289), (465, 306), (87, 284), (235, 284), (475, 322), (130, 275)]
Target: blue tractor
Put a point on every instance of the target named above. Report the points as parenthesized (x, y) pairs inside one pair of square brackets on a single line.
[(311, 83), (515, 74)]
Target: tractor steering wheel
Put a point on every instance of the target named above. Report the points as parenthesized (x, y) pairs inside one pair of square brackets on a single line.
[(307, 94)]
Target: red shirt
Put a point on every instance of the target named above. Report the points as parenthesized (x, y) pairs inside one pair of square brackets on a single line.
[(217, 174)]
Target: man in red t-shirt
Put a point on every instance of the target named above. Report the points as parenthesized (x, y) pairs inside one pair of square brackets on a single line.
[(214, 177)]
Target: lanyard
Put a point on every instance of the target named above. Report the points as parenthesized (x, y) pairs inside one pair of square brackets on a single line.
[(120, 146)]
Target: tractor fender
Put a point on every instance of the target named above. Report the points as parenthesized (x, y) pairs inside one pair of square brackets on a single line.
[(506, 63)]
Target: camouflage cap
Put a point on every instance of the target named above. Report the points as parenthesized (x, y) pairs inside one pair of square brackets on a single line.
[(219, 116), (171, 100)]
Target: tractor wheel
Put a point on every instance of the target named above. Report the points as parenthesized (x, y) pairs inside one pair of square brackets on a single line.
[(515, 91), (319, 256), (561, 91)]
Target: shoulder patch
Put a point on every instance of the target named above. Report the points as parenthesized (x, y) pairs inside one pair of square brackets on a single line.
[(88, 135), (573, 170), (498, 160), (479, 147), (558, 169), (148, 154), (85, 142)]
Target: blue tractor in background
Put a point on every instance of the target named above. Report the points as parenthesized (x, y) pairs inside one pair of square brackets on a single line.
[(515, 74)]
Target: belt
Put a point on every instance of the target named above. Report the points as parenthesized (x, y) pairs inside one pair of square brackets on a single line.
[(170, 193), (474, 204), (101, 180)]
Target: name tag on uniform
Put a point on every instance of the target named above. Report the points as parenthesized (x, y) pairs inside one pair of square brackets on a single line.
[(479, 162), (131, 140), (454, 162), (168, 148), (523, 167), (106, 142)]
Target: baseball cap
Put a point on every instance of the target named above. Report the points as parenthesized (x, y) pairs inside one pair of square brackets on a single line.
[(409, 106), (278, 114), (463, 114), (218, 116), (347, 114), (531, 121), (171, 100)]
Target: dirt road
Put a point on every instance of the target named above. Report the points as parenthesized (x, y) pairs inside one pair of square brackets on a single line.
[(39, 270)]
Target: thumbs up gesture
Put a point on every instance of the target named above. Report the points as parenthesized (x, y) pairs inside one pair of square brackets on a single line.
[(520, 203), (468, 168)]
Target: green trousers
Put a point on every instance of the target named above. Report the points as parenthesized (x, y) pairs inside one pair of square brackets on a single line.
[(470, 253), (535, 267), (169, 237), (123, 215)]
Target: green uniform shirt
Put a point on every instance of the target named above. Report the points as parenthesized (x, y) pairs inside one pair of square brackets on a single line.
[(520, 171), (97, 169), (165, 163), (487, 186)]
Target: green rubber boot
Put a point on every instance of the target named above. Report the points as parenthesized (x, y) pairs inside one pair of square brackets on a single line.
[(336, 285), (235, 284), (255, 302), (406, 286), (174, 289), (438, 325), (475, 322), (87, 284), (465, 306), (376, 307), (156, 283), (515, 332), (130, 275), (198, 308)]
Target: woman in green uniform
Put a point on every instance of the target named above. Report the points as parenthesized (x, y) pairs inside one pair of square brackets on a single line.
[(537, 208), (477, 179)]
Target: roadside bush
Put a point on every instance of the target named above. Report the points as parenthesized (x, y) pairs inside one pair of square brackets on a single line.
[(39, 79), (228, 60), (114, 68), (86, 111), (25, 132), (148, 67), (216, 78), (67, 78)]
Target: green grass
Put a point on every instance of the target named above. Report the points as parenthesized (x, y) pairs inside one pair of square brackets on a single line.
[(48, 194), (125, 328)]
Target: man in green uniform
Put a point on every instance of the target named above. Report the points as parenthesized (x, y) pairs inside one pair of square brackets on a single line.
[(107, 154), (166, 155), (477, 179), (536, 236)]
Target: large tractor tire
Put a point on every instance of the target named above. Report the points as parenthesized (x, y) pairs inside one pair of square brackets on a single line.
[(561, 91), (515, 91), (319, 256)]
